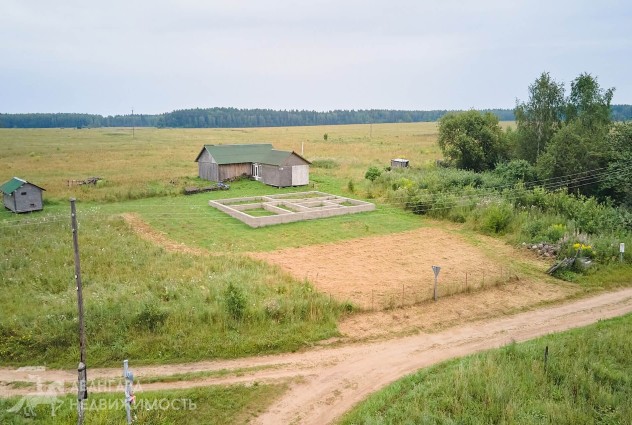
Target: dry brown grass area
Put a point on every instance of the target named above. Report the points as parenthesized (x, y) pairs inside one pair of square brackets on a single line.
[(392, 279), (382, 272)]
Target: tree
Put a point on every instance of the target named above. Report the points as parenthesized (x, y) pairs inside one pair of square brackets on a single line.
[(472, 140), (539, 118), (617, 183), (582, 143), (589, 104)]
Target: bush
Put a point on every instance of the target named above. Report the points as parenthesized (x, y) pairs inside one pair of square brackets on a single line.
[(151, 317), (235, 301), (496, 218), (372, 173), (327, 164), (516, 171)]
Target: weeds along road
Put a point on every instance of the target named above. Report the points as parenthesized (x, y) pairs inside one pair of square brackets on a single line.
[(326, 382)]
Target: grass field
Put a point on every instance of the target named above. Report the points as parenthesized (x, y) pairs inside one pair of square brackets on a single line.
[(587, 379), (154, 304), (161, 161), (142, 301), (225, 405)]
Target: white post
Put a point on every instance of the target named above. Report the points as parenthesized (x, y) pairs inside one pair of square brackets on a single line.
[(436, 270), (621, 251), (129, 394)]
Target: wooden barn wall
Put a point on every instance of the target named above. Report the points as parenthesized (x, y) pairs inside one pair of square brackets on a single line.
[(295, 160), (208, 171), (207, 168), (270, 175), (277, 176), (228, 171)]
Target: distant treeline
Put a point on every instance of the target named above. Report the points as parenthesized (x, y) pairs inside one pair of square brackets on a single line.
[(233, 117)]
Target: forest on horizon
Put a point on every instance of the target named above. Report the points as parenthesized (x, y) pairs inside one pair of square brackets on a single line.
[(235, 118)]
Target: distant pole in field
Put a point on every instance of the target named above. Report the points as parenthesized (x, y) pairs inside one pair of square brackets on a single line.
[(82, 391), (436, 270), (133, 124)]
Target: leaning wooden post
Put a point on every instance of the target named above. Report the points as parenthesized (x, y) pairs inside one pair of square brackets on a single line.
[(82, 391)]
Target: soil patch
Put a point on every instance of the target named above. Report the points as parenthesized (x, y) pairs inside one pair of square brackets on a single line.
[(386, 272)]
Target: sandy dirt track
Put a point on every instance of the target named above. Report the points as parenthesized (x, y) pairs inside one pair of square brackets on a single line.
[(332, 380)]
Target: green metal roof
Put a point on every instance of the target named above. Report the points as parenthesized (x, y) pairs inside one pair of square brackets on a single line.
[(14, 184), (239, 154)]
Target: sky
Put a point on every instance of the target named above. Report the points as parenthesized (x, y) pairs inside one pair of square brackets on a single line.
[(154, 56)]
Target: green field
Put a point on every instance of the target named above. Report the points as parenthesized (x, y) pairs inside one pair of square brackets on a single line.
[(146, 303), (587, 379), (150, 304), (161, 161)]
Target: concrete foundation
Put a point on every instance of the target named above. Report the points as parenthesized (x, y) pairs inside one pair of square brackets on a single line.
[(290, 207)]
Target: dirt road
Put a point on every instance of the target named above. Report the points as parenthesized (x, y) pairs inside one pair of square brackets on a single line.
[(332, 380)]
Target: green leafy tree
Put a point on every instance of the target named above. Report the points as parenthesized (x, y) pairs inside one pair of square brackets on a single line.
[(539, 118), (617, 183), (589, 104), (582, 144), (472, 140)]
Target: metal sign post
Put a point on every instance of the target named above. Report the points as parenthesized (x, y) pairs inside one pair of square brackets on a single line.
[(436, 270), (129, 394)]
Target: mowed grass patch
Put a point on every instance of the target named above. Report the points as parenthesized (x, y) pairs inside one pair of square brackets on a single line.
[(142, 302), (587, 379), (235, 404), (190, 220)]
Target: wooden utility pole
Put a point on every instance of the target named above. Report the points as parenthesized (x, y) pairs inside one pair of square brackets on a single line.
[(82, 391)]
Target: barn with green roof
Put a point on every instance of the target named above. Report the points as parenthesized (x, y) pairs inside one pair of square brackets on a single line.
[(259, 160), (21, 196)]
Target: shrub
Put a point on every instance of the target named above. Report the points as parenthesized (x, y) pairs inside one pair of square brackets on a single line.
[(235, 301), (151, 317), (496, 217), (372, 173), (327, 164)]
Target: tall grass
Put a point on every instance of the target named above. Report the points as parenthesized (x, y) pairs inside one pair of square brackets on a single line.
[(486, 202), (141, 302), (587, 379)]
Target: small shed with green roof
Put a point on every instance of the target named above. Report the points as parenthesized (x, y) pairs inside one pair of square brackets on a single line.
[(21, 196), (260, 161)]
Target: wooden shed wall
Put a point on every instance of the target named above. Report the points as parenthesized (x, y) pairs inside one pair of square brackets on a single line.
[(276, 176), (9, 201), (27, 198), (228, 171), (295, 160)]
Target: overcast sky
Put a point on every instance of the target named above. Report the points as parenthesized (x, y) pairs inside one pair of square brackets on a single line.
[(155, 56)]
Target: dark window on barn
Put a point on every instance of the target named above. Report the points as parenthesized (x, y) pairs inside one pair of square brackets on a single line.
[(23, 193)]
